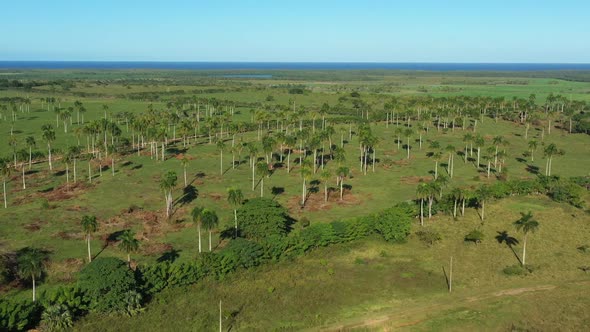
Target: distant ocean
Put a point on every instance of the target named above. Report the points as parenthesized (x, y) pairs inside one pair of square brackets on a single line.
[(292, 65)]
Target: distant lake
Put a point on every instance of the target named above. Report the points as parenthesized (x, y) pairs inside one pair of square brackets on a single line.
[(11, 65)]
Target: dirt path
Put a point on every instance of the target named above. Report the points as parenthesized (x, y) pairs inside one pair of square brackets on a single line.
[(418, 313)]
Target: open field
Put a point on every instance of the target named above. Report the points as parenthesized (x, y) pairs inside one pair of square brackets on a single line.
[(365, 284)]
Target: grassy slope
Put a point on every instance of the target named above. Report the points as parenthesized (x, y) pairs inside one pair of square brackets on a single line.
[(374, 283)]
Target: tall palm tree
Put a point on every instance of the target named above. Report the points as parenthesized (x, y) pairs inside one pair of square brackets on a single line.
[(5, 170), (89, 225), (343, 172), (305, 176), (48, 136), (30, 262), (197, 216), (262, 170), (326, 175), (210, 220), (422, 193), (533, 147), (408, 133), (184, 162), (483, 194), (31, 143), (479, 143), (451, 150), (235, 197), (167, 183), (551, 151), (220, 147), (526, 224), (128, 243)]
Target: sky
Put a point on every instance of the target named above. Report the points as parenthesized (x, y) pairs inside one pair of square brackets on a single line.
[(493, 31)]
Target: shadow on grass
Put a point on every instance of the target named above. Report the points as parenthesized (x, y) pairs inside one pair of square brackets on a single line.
[(504, 237)]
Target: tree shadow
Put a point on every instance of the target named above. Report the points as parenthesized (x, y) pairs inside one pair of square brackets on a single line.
[(276, 191), (532, 169), (138, 166), (504, 237), (127, 163), (521, 160), (176, 150), (447, 280), (189, 194), (169, 256)]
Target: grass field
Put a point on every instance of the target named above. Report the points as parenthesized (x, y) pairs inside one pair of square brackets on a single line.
[(367, 284)]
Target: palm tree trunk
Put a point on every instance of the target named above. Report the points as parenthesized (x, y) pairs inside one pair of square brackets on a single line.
[(483, 210), (199, 230), (24, 183), (4, 185), (325, 192), (341, 188), (129, 258), (30, 156), (89, 254), (236, 222), (185, 183), (303, 193), (34, 289), (49, 155), (524, 250), (436, 169), (421, 211), (463, 207), (209, 240)]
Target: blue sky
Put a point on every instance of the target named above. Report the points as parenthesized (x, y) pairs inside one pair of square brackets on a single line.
[(363, 31)]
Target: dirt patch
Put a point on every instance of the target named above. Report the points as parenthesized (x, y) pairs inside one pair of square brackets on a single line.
[(32, 227), (414, 179), (215, 196), (152, 249), (66, 191), (65, 270), (316, 202)]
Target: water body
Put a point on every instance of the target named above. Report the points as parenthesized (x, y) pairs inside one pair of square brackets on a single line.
[(7, 65)]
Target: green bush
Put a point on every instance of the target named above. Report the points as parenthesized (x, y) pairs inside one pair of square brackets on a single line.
[(516, 270), (395, 223), (245, 253), (73, 298), (56, 318), (106, 281), (262, 217), (18, 316), (429, 237), (474, 236)]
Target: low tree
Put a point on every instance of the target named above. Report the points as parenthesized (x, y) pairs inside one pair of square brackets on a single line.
[(31, 264), (128, 243), (261, 218), (526, 224)]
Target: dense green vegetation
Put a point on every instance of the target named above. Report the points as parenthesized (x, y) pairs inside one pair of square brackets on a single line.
[(125, 193)]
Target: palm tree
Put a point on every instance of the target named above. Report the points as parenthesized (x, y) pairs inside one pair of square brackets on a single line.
[(533, 148), (526, 224), (196, 216), (343, 172), (31, 265), (262, 170), (89, 225), (479, 143), (422, 192), (210, 220), (326, 175), (48, 136), (468, 139), (5, 170), (550, 151), (483, 193), (167, 183), (408, 133), (128, 243), (220, 148), (30, 141), (451, 150), (235, 198), (305, 176), (184, 162)]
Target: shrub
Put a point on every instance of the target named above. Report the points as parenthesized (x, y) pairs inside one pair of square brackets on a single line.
[(18, 316), (516, 270), (567, 192), (246, 253), (429, 237), (262, 217), (474, 236), (584, 249), (56, 317), (106, 281), (73, 298), (394, 224)]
